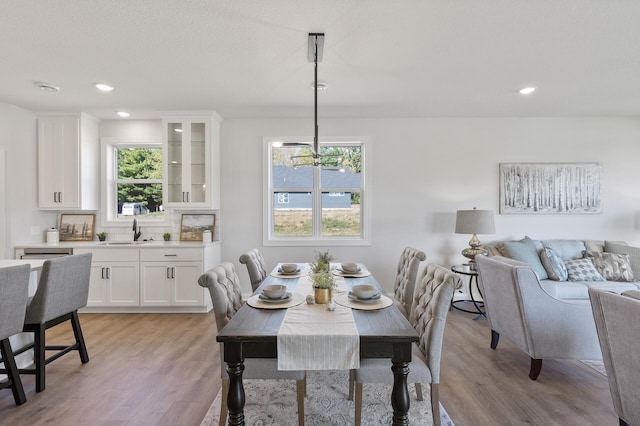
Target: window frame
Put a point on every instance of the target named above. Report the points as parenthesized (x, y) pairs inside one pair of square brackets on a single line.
[(316, 239), (109, 180)]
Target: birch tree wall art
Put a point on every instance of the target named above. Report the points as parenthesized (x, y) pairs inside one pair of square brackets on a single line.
[(556, 188)]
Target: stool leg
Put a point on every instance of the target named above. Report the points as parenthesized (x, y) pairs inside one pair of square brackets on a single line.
[(77, 332), (12, 372)]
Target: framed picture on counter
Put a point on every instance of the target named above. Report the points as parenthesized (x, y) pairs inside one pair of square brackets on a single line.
[(77, 227), (193, 225)]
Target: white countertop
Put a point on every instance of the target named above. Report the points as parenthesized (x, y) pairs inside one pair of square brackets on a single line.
[(35, 263), (110, 244)]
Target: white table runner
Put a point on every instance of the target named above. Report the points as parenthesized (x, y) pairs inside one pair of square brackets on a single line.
[(314, 338)]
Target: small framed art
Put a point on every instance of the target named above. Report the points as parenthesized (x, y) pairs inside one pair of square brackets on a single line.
[(193, 225), (77, 227)]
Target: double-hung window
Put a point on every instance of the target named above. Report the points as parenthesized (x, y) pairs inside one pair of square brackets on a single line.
[(132, 185), (315, 205)]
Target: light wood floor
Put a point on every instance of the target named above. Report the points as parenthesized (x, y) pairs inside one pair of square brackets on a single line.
[(162, 369)]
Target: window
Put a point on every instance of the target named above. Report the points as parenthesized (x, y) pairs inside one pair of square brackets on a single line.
[(315, 205), (133, 181)]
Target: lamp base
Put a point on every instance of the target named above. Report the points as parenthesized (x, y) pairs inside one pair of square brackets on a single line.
[(474, 250)]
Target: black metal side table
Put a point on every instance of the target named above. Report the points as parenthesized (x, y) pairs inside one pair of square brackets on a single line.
[(473, 279)]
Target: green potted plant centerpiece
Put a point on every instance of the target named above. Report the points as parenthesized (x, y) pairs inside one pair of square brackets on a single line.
[(166, 236), (102, 236), (323, 281)]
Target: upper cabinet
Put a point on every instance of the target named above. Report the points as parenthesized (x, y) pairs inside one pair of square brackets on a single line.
[(68, 170), (191, 161)]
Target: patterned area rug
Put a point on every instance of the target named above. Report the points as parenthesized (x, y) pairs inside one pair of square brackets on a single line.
[(596, 365), (273, 402)]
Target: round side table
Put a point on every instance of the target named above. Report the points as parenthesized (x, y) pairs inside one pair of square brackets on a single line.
[(473, 279)]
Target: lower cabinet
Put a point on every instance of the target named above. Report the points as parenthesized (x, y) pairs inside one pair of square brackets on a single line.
[(114, 284), (149, 279)]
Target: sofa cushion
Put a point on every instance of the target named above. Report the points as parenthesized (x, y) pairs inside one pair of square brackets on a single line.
[(553, 264), (633, 252), (582, 270), (524, 251), (612, 266), (567, 249), (579, 290)]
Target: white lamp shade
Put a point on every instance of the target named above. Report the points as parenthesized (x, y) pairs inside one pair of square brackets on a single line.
[(475, 222)]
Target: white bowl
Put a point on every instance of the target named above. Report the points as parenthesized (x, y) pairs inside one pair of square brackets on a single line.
[(349, 267), (275, 291), (364, 291), (289, 267)]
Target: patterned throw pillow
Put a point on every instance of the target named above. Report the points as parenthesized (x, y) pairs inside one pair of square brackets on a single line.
[(613, 267), (553, 263), (582, 270)]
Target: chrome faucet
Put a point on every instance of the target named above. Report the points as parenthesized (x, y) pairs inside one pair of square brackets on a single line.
[(136, 232)]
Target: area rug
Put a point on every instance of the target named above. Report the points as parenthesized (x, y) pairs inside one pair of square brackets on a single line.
[(596, 365), (273, 402)]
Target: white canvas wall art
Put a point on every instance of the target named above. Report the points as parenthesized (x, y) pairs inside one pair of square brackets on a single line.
[(552, 188)]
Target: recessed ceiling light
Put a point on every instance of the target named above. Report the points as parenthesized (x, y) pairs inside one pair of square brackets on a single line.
[(527, 90), (322, 85), (123, 114), (104, 87), (46, 86)]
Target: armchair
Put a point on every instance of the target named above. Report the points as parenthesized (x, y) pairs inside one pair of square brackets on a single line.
[(542, 326), (615, 317)]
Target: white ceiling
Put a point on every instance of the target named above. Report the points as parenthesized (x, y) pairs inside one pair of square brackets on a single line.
[(382, 58)]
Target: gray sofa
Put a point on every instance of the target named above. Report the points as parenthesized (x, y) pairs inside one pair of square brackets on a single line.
[(617, 265)]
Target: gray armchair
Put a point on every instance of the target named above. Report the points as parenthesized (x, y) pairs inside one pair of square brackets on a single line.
[(224, 287), (63, 288), (255, 266), (616, 321), (542, 326), (431, 302), (14, 289)]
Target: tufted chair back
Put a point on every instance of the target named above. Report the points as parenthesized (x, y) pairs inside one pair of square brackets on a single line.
[(406, 278), (224, 288), (431, 302), (255, 266)]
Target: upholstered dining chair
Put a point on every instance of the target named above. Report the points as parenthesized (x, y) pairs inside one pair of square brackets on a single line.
[(14, 289), (255, 266), (63, 288), (224, 287), (431, 301), (406, 279), (615, 316)]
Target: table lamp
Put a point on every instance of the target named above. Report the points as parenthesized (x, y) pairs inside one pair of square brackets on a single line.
[(475, 222)]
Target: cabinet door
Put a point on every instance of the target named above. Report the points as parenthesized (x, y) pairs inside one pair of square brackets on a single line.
[(186, 289), (156, 284), (97, 287), (123, 287), (187, 162), (58, 162)]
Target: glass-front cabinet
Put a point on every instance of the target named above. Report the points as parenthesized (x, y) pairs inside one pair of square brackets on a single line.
[(192, 161)]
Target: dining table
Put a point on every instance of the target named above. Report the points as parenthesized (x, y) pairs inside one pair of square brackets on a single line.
[(382, 332)]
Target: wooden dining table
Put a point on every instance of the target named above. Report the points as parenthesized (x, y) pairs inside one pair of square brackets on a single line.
[(253, 333)]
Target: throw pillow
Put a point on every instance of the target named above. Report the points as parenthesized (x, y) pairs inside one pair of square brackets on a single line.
[(567, 249), (524, 252), (554, 265), (612, 266), (582, 270)]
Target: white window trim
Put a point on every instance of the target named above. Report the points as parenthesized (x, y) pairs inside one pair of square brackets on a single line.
[(108, 180), (365, 197)]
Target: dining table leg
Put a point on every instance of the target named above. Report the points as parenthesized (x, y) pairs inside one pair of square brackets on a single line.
[(235, 366), (400, 393)]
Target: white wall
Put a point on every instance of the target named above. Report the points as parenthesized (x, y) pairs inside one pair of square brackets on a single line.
[(18, 140), (423, 170)]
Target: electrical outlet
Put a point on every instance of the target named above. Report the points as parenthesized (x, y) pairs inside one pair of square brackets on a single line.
[(35, 230)]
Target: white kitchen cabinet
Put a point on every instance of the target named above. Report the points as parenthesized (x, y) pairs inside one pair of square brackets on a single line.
[(191, 161), (169, 277), (115, 277), (68, 168)]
